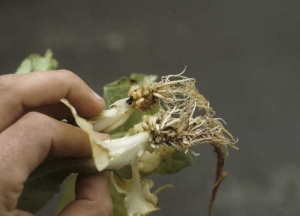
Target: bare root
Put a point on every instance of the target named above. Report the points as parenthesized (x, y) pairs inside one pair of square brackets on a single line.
[(179, 124), (220, 175)]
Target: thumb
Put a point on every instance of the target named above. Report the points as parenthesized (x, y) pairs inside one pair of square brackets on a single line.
[(92, 196)]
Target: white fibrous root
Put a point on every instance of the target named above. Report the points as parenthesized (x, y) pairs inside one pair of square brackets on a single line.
[(184, 120), (172, 91), (185, 117), (181, 130)]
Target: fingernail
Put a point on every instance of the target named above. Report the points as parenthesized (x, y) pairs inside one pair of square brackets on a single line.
[(97, 96)]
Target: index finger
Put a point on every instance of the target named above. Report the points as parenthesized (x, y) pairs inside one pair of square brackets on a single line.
[(19, 92)]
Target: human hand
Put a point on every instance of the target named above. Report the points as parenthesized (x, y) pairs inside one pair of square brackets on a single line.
[(30, 131)]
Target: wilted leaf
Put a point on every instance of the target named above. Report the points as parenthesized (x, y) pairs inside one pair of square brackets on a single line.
[(100, 154), (139, 200)]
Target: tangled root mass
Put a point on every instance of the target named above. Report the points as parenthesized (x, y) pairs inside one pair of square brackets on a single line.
[(177, 124)]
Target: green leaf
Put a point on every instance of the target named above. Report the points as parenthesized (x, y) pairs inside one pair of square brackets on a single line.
[(117, 90), (68, 194), (36, 62), (172, 163), (38, 192), (118, 201)]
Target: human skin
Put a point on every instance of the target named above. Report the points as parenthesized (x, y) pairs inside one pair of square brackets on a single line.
[(31, 130)]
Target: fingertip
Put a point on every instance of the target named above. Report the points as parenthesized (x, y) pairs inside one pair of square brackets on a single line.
[(100, 103), (86, 101), (92, 196)]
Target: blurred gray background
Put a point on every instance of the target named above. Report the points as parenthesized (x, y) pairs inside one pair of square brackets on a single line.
[(244, 55)]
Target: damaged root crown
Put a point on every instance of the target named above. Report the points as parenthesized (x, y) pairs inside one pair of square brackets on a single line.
[(172, 90), (141, 97)]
